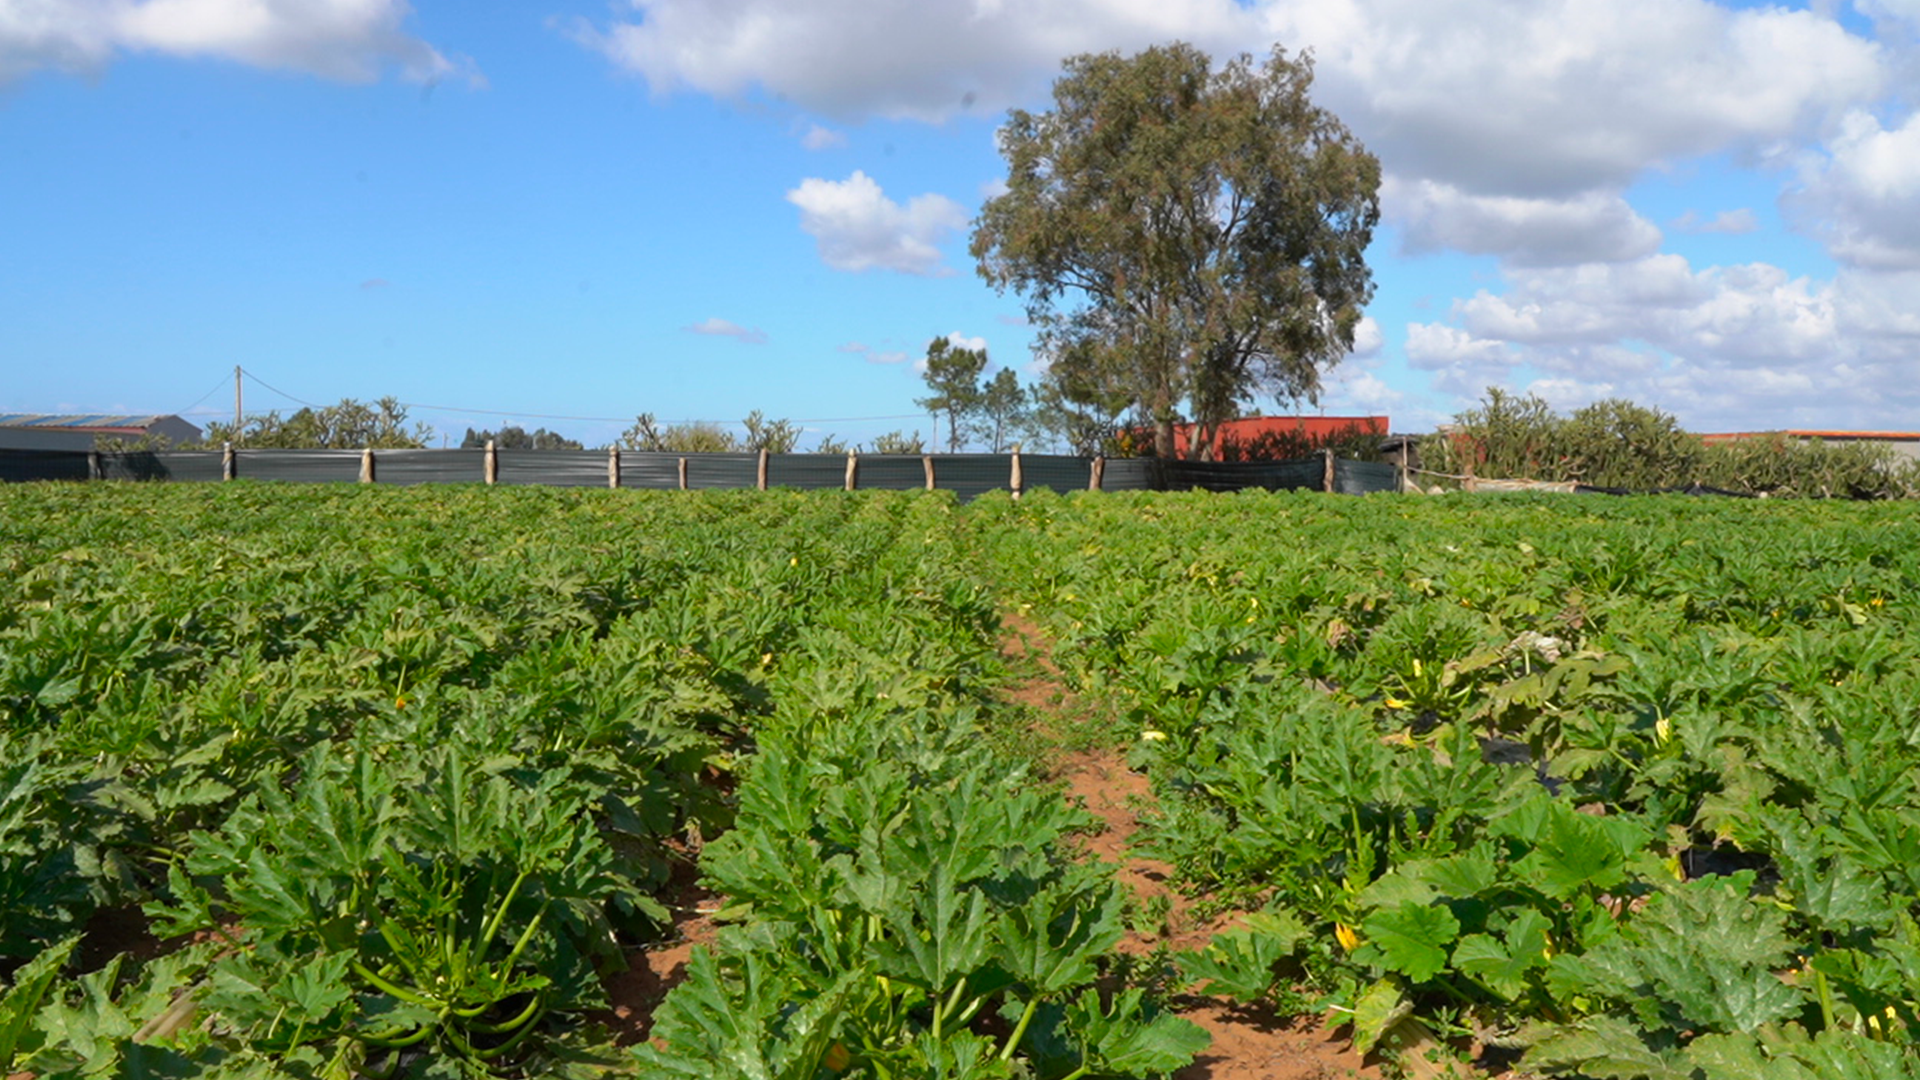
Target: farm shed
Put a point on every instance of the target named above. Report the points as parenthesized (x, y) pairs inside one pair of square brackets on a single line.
[(41, 431)]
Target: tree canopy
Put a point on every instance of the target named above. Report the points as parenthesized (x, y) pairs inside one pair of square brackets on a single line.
[(349, 425), (1185, 237), (515, 437)]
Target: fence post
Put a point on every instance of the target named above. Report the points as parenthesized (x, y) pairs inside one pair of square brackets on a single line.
[(95, 470), (1403, 467), (683, 474), (1097, 474), (366, 465), (490, 463), (1014, 482), (760, 474), (226, 461), (853, 470), (926, 462), (1327, 480), (613, 467)]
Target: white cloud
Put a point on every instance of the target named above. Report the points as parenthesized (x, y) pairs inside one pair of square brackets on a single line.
[(1525, 231), (1862, 196), (1523, 97), (1367, 339), (961, 341), (822, 138), (872, 355), (858, 228), (349, 40), (1732, 222), (1725, 347), (724, 328), (920, 59), (1555, 97)]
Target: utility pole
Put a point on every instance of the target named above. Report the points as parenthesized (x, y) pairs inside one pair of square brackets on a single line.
[(236, 401)]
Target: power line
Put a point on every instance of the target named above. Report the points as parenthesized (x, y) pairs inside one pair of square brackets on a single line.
[(277, 390), (216, 389)]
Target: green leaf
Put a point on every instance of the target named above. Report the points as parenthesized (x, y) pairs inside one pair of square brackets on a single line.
[(1412, 939), (1602, 1047), (1380, 1008), (1502, 965), (1127, 1040)]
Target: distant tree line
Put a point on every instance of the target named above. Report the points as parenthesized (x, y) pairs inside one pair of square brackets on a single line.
[(1617, 444), (759, 433), (513, 437), (349, 425)]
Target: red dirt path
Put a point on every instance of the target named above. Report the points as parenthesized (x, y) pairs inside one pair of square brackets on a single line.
[(1248, 1044)]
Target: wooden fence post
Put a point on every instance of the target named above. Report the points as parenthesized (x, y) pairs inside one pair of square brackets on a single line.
[(1404, 478), (683, 474), (760, 477), (366, 465), (853, 470), (226, 461), (1015, 481), (1327, 480), (1097, 474), (926, 462), (95, 470), (613, 467), (490, 463)]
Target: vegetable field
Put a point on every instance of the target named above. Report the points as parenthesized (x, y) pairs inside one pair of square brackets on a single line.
[(384, 782)]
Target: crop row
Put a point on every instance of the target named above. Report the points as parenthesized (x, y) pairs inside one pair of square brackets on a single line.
[(332, 782), (1624, 787)]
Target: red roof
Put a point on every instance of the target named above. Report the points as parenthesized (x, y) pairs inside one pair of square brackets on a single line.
[(1311, 428), (1876, 436)]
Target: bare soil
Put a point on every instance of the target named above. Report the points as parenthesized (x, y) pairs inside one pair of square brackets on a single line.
[(1248, 1044), (654, 969)]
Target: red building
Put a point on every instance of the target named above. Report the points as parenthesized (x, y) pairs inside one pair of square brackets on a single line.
[(1266, 437)]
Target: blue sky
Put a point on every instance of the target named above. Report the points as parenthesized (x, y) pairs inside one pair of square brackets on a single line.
[(697, 208)]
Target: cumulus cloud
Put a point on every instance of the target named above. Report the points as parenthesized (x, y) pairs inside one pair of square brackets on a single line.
[(1559, 97), (724, 328), (872, 355), (349, 40), (918, 59), (1724, 347), (1732, 222), (858, 228), (1862, 195), (1522, 97), (822, 138), (1525, 231)]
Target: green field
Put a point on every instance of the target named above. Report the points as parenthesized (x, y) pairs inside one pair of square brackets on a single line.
[(338, 781)]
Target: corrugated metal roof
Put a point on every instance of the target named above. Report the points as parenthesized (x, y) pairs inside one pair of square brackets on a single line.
[(1878, 436), (83, 422)]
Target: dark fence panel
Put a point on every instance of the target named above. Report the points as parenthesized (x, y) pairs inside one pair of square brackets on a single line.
[(1364, 477), (1062, 474), (17, 466), (430, 466), (893, 472), (808, 470), (1130, 474), (970, 476), (644, 470), (1308, 474), (189, 465), (298, 466), (554, 468), (723, 470)]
